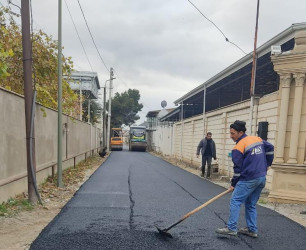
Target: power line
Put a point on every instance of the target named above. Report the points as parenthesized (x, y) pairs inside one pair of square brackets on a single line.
[(226, 39), (128, 87), (9, 14), (93, 40), (11, 2), (78, 35), (120, 78), (98, 49)]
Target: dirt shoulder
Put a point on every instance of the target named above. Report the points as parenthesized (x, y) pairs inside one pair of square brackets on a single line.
[(291, 211), (19, 230)]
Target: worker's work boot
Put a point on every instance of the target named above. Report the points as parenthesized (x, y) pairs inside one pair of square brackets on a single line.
[(226, 231), (247, 232)]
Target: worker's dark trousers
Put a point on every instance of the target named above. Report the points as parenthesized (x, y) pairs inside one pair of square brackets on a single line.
[(207, 159)]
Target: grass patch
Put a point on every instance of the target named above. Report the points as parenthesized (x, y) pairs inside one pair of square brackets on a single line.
[(49, 188), (262, 201), (13, 206), (73, 175)]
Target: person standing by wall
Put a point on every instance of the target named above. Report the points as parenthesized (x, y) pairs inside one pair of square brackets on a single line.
[(207, 147), (251, 157)]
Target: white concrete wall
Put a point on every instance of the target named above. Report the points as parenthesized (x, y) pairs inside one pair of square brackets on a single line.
[(217, 122), (267, 111), (77, 143), (162, 139)]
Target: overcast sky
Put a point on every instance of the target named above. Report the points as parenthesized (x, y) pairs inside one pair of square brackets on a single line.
[(163, 48)]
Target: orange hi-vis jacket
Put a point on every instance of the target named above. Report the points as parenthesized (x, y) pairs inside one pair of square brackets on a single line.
[(251, 157)]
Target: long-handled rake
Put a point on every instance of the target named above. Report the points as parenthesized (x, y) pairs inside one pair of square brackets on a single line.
[(164, 232)]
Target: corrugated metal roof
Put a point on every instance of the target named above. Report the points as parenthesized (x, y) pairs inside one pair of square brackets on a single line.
[(281, 38)]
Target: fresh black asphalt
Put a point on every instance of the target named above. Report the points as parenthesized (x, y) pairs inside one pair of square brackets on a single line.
[(131, 192)]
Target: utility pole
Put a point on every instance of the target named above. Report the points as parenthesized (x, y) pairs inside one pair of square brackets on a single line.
[(89, 124), (204, 111), (109, 107), (59, 99), (88, 110), (28, 95), (104, 115), (102, 124), (182, 128), (81, 100), (252, 87)]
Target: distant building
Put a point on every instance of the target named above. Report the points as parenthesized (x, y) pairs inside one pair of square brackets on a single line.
[(153, 117), (86, 82), (143, 124)]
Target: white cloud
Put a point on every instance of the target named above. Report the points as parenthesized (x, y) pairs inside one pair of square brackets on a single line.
[(164, 48)]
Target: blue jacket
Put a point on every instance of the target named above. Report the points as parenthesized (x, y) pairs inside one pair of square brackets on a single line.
[(251, 157)]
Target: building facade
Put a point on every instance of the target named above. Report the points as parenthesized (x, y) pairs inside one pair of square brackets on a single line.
[(280, 105)]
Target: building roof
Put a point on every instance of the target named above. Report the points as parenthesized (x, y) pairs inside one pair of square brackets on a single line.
[(85, 81), (86, 75), (154, 113), (173, 115), (279, 39), (232, 85)]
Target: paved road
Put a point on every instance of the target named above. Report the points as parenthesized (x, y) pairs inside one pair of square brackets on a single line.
[(119, 205)]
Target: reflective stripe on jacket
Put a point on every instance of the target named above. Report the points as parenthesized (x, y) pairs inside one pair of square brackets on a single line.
[(251, 157)]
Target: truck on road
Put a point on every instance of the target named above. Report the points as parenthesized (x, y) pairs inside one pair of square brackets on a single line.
[(137, 138), (116, 142)]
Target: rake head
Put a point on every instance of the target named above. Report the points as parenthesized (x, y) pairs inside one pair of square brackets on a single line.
[(164, 232)]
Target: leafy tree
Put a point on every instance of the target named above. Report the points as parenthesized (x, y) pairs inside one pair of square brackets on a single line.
[(125, 107), (3, 66), (95, 111), (44, 53)]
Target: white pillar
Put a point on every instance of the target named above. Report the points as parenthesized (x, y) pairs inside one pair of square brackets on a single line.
[(296, 118), (285, 81)]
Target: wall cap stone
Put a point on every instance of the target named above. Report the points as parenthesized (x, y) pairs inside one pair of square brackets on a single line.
[(300, 41)]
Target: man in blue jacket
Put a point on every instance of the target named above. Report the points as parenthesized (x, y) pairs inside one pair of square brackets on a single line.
[(251, 157)]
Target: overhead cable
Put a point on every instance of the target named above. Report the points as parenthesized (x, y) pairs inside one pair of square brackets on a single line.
[(226, 39), (97, 48), (11, 2), (128, 87), (93, 40), (76, 30)]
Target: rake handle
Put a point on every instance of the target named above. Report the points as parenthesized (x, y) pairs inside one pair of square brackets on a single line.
[(205, 204), (199, 208)]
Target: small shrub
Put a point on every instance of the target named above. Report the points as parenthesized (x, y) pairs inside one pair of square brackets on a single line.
[(3, 209), (13, 206)]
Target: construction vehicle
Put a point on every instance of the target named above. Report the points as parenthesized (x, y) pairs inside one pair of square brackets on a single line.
[(116, 142), (137, 138)]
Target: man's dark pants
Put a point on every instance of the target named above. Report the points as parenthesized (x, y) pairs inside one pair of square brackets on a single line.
[(207, 159)]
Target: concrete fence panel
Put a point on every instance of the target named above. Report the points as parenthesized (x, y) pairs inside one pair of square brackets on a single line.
[(80, 140), (187, 134)]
